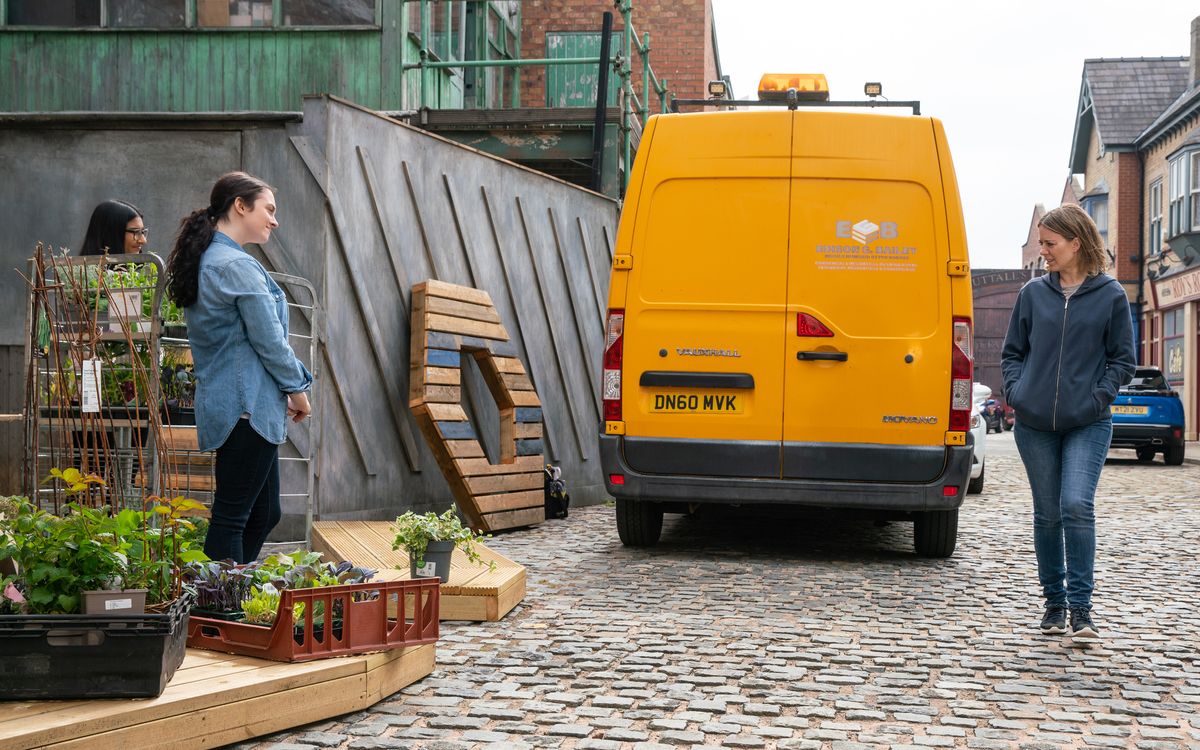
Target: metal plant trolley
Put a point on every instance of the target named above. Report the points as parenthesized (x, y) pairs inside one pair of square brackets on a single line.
[(79, 313)]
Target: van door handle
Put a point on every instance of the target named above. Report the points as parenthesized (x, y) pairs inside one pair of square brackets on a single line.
[(835, 356)]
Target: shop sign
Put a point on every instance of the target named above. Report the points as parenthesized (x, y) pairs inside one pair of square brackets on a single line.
[(1177, 289)]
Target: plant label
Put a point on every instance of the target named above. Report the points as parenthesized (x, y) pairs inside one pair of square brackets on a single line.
[(91, 386), (112, 604), (124, 307), (428, 570)]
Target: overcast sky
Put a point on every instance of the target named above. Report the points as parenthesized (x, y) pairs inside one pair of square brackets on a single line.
[(1004, 78)]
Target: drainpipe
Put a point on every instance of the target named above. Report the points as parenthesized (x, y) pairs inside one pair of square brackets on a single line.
[(1141, 296), (601, 102)]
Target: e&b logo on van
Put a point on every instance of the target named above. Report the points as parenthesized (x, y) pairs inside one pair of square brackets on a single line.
[(868, 231)]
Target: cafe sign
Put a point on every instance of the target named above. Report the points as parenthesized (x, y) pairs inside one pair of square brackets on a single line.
[(1177, 289)]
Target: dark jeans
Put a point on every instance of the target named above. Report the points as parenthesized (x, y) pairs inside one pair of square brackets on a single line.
[(1064, 469), (246, 501)]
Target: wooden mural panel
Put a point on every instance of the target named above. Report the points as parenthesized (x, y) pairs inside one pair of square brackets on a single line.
[(449, 320)]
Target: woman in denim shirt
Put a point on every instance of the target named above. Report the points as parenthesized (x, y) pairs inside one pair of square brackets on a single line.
[(249, 381)]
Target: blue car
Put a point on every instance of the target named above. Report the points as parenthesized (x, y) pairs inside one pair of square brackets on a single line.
[(1148, 417)]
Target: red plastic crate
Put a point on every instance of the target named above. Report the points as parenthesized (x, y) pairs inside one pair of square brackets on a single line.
[(364, 626)]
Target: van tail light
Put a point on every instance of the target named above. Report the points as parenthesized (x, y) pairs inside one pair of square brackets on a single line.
[(960, 376), (614, 355), (807, 325)]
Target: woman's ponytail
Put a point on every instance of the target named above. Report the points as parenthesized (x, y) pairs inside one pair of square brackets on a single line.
[(196, 233), (183, 266)]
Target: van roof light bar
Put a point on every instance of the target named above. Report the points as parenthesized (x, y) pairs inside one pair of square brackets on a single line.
[(791, 102)]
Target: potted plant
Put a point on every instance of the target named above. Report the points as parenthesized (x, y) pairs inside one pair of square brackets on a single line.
[(430, 540)]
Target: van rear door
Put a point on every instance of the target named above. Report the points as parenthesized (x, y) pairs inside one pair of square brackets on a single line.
[(868, 262), (703, 352)]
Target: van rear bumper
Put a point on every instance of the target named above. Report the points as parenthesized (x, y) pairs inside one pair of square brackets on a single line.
[(865, 495)]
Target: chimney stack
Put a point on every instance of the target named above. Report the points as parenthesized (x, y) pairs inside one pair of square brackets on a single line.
[(1194, 61)]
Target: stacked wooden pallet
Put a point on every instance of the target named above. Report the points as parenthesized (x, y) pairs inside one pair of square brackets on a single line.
[(448, 321)]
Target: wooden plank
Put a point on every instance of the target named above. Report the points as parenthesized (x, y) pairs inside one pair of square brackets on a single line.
[(435, 288), (441, 394), (443, 376), (465, 327), (240, 720), (73, 720), (491, 504), (509, 365), (445, 412), (180, 438), (516, 381), (457, 309), (487, 485), (524, 398), (527, 430), (515, 518), (464, 448), (470, 467)]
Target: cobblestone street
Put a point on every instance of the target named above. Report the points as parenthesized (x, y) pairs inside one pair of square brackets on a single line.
[(821, 632)]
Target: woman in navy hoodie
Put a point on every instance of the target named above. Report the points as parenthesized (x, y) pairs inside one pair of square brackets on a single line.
[(1068, 350)]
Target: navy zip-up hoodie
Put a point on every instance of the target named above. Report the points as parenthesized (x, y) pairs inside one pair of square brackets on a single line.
[(1064, 360)]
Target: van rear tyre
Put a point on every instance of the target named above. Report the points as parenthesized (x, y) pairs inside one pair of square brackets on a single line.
[(935, 533), (639, 523)]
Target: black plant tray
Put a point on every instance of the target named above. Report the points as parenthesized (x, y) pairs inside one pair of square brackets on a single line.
[(64, 657)]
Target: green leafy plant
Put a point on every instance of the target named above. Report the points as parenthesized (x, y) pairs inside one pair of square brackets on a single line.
[(262, 606), (415, 532), (60, 557)]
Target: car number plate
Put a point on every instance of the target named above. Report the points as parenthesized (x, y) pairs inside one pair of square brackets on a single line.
[(697, 403), (1122, 409)]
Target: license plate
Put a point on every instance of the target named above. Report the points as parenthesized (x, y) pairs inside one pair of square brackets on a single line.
[(696, 403), (1122, 409)]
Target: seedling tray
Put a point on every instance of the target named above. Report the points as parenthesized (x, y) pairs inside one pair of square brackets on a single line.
[(359, 626), (71, 657)]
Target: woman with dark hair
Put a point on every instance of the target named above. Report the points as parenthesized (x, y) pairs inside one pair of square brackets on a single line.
[(1068, 350), (249, 381), (115, 227)]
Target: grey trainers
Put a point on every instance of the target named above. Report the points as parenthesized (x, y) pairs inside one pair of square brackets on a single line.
[(1054, 622), (1082, 627)]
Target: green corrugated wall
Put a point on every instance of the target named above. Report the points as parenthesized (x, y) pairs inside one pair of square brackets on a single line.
[(212, 70)]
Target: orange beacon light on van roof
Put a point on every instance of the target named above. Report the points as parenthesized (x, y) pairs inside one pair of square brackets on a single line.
[(808, 86)]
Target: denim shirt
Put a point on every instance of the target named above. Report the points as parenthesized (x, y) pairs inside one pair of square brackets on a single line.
[(238, 328)]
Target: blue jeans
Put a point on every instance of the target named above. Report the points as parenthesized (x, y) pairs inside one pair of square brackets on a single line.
[(246, 501), (1064, 469)]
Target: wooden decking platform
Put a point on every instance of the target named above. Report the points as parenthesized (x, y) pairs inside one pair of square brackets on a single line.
[(473, 592), (215, 699)]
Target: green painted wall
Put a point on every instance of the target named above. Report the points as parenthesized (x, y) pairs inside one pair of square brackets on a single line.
[(213, 70)]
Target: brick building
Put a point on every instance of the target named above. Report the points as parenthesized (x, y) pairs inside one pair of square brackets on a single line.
[(1137, 146), (1118, 99), (683, 47)]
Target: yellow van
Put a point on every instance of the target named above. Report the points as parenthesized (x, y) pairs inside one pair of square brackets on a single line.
[(789, 321)]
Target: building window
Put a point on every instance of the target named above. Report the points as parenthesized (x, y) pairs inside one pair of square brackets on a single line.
[(327, 13), (168, 14), (1154, 241), (1097, 208), (1172, 345), (152, 14), (1194, 190), (1151, 354), (1176, 195), (62, 13)]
